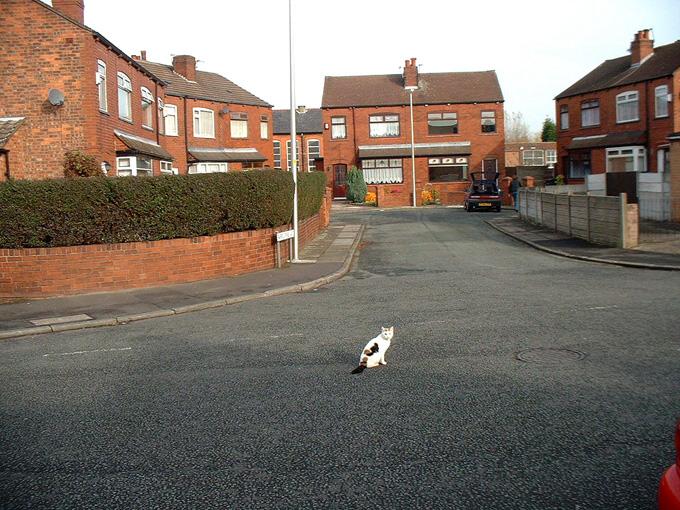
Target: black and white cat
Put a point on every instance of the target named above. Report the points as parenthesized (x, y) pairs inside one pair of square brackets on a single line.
[(374, 353)]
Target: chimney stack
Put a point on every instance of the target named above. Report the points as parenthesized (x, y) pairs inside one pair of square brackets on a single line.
[(74, 9), (410, 73), (641, 47), (185, 65), (143, 54)]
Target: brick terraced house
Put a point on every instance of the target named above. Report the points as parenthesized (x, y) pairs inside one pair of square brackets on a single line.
[(211, 124), (309, 129), (531, 159), (618, 117), (458, 129), (66, 87)]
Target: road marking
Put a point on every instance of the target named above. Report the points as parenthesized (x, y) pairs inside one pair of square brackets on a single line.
[(429, 322), (87, 352), (602, 307), (61, 320)]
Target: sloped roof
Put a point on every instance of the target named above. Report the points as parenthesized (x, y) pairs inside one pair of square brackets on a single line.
[(307, 122), (401, 150), (516, 146), (608, 140), (618, 71), (8, 126), (142, 145), (434, 88), (209, 86), (226, 154)]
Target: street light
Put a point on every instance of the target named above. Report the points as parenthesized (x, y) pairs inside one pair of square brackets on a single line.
[(293, 134), (410, 89)]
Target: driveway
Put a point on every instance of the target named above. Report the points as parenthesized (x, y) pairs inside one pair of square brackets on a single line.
[(515, 379)]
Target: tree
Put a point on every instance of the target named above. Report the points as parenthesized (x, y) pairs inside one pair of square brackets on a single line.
[(549, 132), (516, 128), (356, 186)]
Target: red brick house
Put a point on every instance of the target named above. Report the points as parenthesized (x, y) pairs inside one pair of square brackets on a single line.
[(457, 124), (618, 117), (211, 124), (72, 89), (309, 128), (531, 159)]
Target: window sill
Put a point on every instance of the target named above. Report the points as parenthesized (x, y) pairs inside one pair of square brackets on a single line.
[(442, 136), (105, 112), (627, 121), (207, 137), (338, 139), (661, 117), (129, 121), (379, 137), (238, 137), (169, 134), (591, 126), (147, 128)]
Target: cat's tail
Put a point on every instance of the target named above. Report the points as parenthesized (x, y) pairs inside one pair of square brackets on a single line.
[(360, 368)]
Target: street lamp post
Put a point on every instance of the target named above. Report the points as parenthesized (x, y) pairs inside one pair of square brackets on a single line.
[(293, 134), (413, 148)]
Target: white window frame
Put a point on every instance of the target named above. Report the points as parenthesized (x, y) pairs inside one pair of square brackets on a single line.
[(564, 116), (551, 156), (316, 153), (238, 125), (161, 117), (200, 130), (338, 125), (168, 169), (533, 157), (661, 98), (277, 154), (383, 125), (167, 109), (383, 171), (264, 127), (626, 98), (125, 88), (209, 167), (147, 106), (100, 79), (289, 162), (132, 165), (637, 152)]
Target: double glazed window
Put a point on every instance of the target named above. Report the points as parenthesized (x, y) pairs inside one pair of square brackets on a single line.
[(147, 108), (533, 157), (627, 159), (564, 117), (338, 128), (264, 127), (133, 165), (277, 154), (313, 153), (590, 113), (161, 119), (239, 125), (550, 156), (661, 101), (166, 168), (447, 169), (170, 114), (382, 171), (204, 123), (101, 86), (124, 97), (488, 122), (627, 107), (208, 168), (381, 126), (579, 164), (444, 123)]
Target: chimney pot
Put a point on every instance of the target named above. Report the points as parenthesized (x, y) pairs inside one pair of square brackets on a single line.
[(410, 73), (641, 47), (185, 65), (142, 54), (74, 9)]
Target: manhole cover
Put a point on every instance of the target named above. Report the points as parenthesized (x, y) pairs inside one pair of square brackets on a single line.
[(548, 355)]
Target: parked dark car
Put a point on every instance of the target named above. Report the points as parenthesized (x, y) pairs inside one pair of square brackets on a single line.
[(482, 193)]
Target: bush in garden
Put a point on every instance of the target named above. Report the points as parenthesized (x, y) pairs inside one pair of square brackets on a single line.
[(356, 186), (79, 164)]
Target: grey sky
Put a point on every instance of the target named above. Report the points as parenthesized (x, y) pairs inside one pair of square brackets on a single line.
[(536, 48)]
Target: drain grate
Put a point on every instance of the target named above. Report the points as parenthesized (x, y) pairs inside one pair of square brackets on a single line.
[(549, 355)]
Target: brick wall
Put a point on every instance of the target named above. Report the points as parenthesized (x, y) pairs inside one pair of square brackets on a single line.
[(483, 145), (675, 179), (42, 272)]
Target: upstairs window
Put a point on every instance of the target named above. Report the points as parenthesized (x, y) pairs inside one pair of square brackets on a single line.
[(488, 122), (264, 127), (147, 108), (338, 128), (383, 126), (204, 123), (161, 119), (124, 97), (277, 154), (313, 153), (627, 107), (534, 157), (239, 125), (590, 113), (444, 123), (661, 101), (564, 117), (101, 86), (170, 116)]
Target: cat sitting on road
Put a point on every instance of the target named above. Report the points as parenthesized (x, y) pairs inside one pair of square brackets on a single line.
[(374, 353)]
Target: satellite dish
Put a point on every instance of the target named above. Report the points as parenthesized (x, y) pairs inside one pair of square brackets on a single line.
[(55, 97)]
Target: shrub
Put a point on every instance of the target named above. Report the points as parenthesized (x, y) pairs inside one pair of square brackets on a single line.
[(430, 195), (356, 186), (67, 212), (371, 198), (79, 164), (311, 188)]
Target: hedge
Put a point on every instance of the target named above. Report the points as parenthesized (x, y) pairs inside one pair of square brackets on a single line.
[(70, 212)]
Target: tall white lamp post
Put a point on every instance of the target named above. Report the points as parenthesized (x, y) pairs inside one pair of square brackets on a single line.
[(293, 135), (410, 89)]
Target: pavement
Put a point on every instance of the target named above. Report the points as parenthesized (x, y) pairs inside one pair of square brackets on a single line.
[(558, 243), (325, 259)]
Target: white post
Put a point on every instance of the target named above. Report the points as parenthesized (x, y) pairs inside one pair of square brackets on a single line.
[(293, 134), (413, 148)]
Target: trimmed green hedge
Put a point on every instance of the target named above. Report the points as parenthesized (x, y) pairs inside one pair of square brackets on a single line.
[(69, 212)]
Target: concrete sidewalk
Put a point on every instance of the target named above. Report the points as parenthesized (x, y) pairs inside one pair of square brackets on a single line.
[(561, 244), (330, 254)]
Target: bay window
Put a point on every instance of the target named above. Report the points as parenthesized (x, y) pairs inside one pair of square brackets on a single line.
[(166, 168), (627, 107), (239, 125), (447, 169), (381, 126), (590, 113), (382, 171), (130, 166), (208, 168), (204, 123)]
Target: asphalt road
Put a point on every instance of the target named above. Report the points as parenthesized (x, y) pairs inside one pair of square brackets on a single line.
[(253, 405)]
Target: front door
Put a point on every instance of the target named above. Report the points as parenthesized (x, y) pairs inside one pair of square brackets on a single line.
[(339, 181)]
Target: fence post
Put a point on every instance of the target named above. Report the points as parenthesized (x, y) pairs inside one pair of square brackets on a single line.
[(569, 193), (539, 199), (623, 202), (588, 216)]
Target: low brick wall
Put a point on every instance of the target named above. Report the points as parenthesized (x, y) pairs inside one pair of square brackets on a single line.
[(43, 272)]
